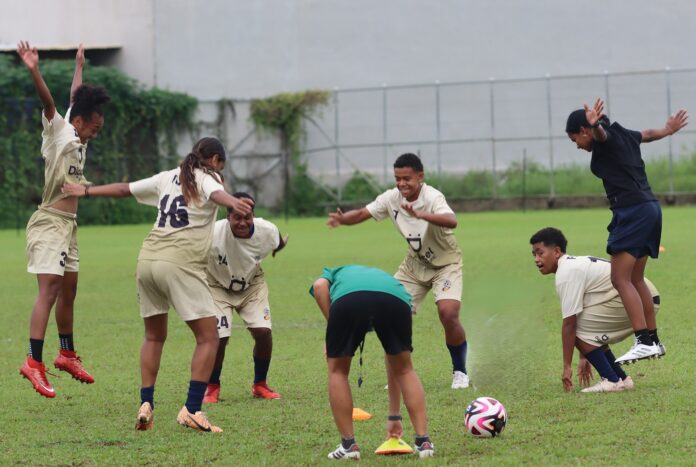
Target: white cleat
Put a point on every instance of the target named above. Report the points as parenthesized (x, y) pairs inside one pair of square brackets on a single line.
[(639, 352), (663, 351), (460, 380), (352, 453), (606, 386), (628, 383)]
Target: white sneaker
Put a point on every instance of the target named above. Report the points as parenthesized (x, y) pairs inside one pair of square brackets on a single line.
[(628, 383), (353, 452), (638, 352), (606, 386), (460, 380), (427, 449)]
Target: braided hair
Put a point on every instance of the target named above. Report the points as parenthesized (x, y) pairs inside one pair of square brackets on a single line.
[(199, 158)]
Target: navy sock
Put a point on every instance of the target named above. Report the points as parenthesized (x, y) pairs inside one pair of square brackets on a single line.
[(147, 395), (66, 342), (458, 354), (36, 349), (215, 376), (643, 337), (612, 360), (653, 336), (261, 369), (599, 360), (195, 395), (347, 443), (421, 439)]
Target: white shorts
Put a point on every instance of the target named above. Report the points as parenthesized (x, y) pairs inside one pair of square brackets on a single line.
[(251, 305), (418, 279), (52, 242), (604, 324)]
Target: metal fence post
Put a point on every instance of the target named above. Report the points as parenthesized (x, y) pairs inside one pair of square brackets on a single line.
[(385, 135), (669, 141), (606, 91), (437, 135), (552, 174), (338, 147), (492, 104)]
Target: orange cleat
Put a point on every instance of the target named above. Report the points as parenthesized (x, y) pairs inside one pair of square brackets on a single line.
[(198, 421), (35, 372), (146, 419), (262, 390), (69, 362), (212, 394)]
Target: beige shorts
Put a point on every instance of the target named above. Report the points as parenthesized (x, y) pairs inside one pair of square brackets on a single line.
[(418, 278), (52, 242), (251, 305), (162, 283), (604, 324)]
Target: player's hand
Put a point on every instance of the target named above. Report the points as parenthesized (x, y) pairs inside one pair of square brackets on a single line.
[(29, 55), (73, 189), (584, 372), (394, 429), (566, 378), (80, 56), (335, 218), (677, 121), (596, 112), (242, 205), (410, 210)]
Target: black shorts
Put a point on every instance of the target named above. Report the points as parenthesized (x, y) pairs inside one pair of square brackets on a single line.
[(352, 315), (636, 230)]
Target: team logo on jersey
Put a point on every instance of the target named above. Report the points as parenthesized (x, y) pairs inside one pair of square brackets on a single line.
[(447, 285), (415, 243), (76, 171), (396, 213), (267, 314)]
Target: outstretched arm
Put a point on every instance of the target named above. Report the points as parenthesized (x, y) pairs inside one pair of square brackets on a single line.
[(594, 116), (674, 123), (30, 57), (113, 190), (568, 338), (448, 220), (77, 77), (354, 216)]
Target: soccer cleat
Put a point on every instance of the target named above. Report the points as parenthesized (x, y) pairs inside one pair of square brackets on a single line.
[(69, 362), (663, 351), (35, 372), (262, 390), (212, 394), (145, 417), (460, 380), (198, 421), (628, 383), (426, 449), (639, 352), (352, 453), (606, 386)]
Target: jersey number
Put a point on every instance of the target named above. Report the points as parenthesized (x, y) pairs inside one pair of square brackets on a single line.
[(177, 214)]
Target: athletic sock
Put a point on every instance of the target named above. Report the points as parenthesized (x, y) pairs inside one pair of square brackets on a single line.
[(195, 395), (599, 360), (215, 376), (66, 342), (615, 366), (422, 439), (261, 369), (643, 337), (458, 355), (147, 395), (347, 443), (36, 349), (653, 336)]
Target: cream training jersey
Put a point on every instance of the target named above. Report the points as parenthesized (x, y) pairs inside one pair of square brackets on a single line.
[(64, 156), (234, 262), (181, 234), (430, 243)]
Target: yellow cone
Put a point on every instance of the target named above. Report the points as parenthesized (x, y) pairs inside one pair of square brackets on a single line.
[(360, 414), (394, 446)]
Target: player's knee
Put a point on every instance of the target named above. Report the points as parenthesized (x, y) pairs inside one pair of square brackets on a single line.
[(260, 333)]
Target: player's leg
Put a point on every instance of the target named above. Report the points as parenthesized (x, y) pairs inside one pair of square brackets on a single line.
[(610, 381), (150, 358), (223, 313), (212, 392), (646, 297)]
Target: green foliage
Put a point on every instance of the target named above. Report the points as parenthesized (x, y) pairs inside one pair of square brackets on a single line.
[(361, 187), (138, 139)]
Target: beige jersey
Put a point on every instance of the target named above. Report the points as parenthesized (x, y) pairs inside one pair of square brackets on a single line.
[(182, 234), (585, 281), (430, 243), (64, 156), (234, 262)]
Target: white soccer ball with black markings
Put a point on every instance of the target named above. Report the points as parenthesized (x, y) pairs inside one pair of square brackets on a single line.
[(485, 417)]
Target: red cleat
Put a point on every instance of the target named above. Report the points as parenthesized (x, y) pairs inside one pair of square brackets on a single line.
[(35, 372), (262, 390), (69, 362), (212, 394)]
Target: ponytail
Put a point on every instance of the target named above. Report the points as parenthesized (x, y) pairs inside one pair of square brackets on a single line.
[(199, 158)]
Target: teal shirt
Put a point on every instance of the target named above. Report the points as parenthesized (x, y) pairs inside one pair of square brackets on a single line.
[(356, 278)]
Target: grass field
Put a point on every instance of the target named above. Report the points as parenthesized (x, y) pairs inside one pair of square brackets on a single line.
[(509, 310)]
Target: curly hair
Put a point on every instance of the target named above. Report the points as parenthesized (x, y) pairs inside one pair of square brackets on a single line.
[(199, 158), (88, 100)]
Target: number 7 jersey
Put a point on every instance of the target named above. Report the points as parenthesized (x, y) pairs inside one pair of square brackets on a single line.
[(181, 234)]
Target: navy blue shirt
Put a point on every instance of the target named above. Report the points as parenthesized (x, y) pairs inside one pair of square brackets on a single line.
[(617, 161)]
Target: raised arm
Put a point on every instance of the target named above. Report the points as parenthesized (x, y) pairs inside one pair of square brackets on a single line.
[(30, 57), (113, 190), (674, 123), (354, 216), (594, 116), (77, 77), (222, 198)]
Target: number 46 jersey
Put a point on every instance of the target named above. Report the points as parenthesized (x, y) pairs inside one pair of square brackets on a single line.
[(182, 234)]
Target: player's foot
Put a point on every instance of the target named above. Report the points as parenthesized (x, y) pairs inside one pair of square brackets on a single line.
[(606, 386), (628, 383), (353, 452), (425, 449), (663, 351), (638, 352), (460, 380), (212, 394), (70, 362), (35, 372), (198, 421), (262, 390), (145, 417)]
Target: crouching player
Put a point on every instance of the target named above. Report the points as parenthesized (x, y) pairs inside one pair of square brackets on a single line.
[(237, 281), (593, 314), (352, 298)]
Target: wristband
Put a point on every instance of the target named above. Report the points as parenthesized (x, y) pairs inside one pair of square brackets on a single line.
[(599, 123), (86, 191), (394, 418)]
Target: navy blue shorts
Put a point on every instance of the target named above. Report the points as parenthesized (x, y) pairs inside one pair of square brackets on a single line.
[(636, 230)]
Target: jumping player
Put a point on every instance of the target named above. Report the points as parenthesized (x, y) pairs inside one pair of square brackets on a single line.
[(171, 268), (593, 314), (434, 262), (237, 281), (353, 298), (52, 230), (636, 224)]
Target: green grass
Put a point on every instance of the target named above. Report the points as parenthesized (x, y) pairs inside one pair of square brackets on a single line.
[(510, 312)]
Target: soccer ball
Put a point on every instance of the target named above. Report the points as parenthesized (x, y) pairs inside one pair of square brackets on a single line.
[(485, 417)]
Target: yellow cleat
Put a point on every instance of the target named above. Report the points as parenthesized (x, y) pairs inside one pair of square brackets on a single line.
[(145, 417), (198, 421)]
